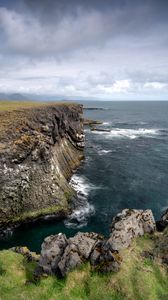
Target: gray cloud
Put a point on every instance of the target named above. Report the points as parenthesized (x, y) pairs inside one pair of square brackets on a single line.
[(104, 49)]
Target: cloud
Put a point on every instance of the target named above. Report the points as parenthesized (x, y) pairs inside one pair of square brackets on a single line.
[(156, 85), (119, 86), (103, 49)]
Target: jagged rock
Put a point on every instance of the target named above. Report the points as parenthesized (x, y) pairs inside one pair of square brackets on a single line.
[(52, 250), (163, 222), (105, 260), (85, 242), (70, 260), (78, 251), (60, 255), (129, 224)]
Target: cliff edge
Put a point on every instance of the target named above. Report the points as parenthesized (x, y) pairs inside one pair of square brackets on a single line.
[(40, 146)]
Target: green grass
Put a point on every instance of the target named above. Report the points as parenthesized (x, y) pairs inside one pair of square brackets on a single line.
[(138, 279), (17, 105), (15, 114)]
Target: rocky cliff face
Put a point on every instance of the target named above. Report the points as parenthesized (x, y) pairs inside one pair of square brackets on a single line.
[(39, 149)]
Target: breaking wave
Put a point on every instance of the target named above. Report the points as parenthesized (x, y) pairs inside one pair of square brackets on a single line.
[(82, 208), (103, 152), (129, 133)]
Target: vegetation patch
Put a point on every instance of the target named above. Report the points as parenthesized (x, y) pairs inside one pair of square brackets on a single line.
[(139, 279)]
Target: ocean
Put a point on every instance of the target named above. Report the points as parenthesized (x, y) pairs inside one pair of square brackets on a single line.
[(126, 167)]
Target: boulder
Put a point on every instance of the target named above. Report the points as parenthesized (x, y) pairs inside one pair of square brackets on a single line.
[(59, 255), (52, 250), (129, 224), (78, 251)]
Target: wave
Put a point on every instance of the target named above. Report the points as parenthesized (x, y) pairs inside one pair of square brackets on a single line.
[(102, 152), (83, 209), (129, 133), (130, 123), (106, 123)]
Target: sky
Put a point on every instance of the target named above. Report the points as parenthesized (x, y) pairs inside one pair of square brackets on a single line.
[(97, 49)]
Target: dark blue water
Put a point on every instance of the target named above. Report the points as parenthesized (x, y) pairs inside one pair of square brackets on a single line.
[(126, 167)]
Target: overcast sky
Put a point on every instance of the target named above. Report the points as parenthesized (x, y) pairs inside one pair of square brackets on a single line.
[(98, 49)]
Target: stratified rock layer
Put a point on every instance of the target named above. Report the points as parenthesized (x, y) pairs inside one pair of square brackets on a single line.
[(39, 149)]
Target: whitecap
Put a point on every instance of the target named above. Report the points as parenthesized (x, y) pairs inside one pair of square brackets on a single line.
[(103, 152), (83, 209), (106, 123), (129, 133), (130, 123)]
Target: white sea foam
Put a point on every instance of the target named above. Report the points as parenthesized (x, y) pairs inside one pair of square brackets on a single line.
[(86, 130), (106, 123), (103, 152), (128, 133), (130, 123), (83, 209)]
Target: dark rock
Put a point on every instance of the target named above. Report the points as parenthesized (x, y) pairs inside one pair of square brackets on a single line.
[(100, 129), (94, 108), (163, 222), (105, 260), (40, 147), (90, 122)]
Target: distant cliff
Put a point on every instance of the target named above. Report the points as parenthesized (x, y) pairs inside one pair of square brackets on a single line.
[(40, 146)]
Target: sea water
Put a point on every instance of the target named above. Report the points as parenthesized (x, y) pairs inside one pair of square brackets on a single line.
[(125, 167)]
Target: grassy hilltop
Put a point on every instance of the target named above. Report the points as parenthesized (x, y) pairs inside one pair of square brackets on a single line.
[(17, 105), (140, 278)]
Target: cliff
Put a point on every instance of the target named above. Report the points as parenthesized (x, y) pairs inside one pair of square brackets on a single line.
[(40, 146)]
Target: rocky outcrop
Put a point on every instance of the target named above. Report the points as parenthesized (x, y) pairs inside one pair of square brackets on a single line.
[(60, 255), (29, 255), (39, 149), (163, 222), (128, 224)]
